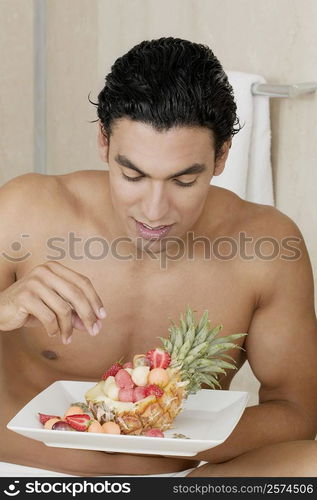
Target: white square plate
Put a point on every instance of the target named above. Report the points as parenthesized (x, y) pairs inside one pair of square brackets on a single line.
[(207, 419)]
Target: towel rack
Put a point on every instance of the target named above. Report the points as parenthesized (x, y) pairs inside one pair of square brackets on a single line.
[(277, 90)]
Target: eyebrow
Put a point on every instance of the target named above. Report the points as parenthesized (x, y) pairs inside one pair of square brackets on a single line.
[(196, 168)]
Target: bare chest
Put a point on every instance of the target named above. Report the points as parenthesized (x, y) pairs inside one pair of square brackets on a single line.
[(141, 302), (141, 299)]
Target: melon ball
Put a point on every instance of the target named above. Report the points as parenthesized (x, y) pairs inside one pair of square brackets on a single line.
[(158, 376), (95, 426), (73, 410), (111, 428)]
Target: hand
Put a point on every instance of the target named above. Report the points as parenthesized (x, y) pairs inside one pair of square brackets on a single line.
[(55, 296)]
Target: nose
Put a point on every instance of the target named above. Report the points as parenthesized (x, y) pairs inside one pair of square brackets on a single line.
[(155, 204)]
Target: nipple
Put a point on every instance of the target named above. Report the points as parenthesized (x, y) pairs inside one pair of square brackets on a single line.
[(49, 354)]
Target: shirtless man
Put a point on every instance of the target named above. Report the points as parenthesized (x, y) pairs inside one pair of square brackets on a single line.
[(159, 175)]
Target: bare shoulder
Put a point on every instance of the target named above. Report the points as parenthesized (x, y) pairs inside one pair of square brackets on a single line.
[(85, 183), (21, 195), (266, 220), (258, 220), (23, 202), (36, 203), (35, 200), (271, 247), (27, 189), (275, 238), (279, 252)]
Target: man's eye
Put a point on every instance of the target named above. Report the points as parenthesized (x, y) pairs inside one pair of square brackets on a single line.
[(185, 184), (132, 179)]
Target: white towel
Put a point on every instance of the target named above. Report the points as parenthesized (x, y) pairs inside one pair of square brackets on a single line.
[(248, 170)]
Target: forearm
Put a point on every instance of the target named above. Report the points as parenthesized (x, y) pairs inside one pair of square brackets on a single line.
[(267, 423)]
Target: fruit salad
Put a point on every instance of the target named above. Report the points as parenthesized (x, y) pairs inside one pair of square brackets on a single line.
[(144, 396)]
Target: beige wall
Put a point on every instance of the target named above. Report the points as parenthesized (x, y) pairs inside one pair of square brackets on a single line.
[(72, 55), (16, 88), (275, 38)]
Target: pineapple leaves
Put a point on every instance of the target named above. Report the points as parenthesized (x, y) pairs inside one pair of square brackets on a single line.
[(197, 351), (209, 380), (221, 347), (189, 317), (167, 344), (189, 339), (203, 321), (229, 338), (183, 327), (228, 357)]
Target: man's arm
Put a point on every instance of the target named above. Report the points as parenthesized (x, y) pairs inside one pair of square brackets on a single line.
[(18, 198), (282, 351), (12, 211)]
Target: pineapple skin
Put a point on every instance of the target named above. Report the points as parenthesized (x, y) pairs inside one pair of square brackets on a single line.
[(149, 412), (154, 412), (196, 358)]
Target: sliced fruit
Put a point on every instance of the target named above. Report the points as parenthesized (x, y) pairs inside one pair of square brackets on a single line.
[(193, 355), (113, 391), (96, 391), (129, 364), (80, 422), (49, 423), (107, 383), (158, 376), (159, 358), (73, 410), (95, 426), (141, 360), (139, 393), (155, 432), (112, 371), (139, 375), (123, 379), (81, 405), (44, 418), (61, 425), (126, 394), (153, 390), (111, 428)]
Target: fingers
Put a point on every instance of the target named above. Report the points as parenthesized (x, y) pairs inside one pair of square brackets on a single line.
[(71, 293), (44, 314), (74, 296), (77, 322), (81, 282), (61, 309)]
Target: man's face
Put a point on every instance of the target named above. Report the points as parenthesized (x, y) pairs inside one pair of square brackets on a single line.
[(159, 181)]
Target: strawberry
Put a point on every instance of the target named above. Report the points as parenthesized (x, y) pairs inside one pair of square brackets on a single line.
[(154, 433), (44, 418), (113, 370), (153, 390), (129, 364), (158, 358), (123, 379), (80, 422), (126, 395), (138, 393)]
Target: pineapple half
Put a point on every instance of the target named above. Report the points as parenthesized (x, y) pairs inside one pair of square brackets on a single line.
[(195, 355)]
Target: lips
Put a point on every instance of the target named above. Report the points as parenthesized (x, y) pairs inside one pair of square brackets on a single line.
[(152, 228), (149, 232)]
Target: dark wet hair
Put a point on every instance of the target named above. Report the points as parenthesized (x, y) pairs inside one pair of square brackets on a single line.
[(166, 83)]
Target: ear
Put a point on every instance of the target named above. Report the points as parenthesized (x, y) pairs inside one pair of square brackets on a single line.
[(103, 144), (222, 158)]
